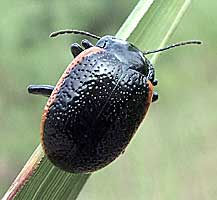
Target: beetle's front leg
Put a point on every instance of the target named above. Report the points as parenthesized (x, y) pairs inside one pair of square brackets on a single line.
[(44, 90), (154, 82), (86, 44), (76, 49)]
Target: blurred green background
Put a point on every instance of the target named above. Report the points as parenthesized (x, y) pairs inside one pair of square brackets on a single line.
[(174, 154)]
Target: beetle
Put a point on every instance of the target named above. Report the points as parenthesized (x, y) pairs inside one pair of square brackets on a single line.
[(98, 103)]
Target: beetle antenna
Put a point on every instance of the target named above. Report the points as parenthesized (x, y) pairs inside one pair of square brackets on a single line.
[(174, 45), (70, 31)]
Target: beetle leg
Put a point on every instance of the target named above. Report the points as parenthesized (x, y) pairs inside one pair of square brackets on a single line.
[(155, 97), (44, 90), (155, 82), (76, 49), (86, 44)]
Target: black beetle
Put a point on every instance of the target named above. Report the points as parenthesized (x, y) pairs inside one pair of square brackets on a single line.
[(98, 103)]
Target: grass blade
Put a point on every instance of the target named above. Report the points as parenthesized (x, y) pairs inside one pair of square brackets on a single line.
[(155, 22), (149, 26)]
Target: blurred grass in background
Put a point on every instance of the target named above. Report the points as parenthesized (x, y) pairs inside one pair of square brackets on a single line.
[(173, 156)]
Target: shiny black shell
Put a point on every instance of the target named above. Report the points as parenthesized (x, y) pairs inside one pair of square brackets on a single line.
[(94, 110)]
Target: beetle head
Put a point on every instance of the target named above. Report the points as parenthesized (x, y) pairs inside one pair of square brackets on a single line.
[(126, 52)]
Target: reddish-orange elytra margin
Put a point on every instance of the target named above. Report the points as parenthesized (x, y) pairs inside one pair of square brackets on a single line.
[(77, 60)]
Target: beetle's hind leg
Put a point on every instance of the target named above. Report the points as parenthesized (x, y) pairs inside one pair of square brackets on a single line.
[(44, 90), (76, 49), (86, 44), (155, 97)]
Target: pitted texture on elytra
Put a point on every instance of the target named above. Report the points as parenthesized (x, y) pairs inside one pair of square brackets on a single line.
[(86, 125)]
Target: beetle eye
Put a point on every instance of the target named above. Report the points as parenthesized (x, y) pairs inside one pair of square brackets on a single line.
[(105, 44)]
